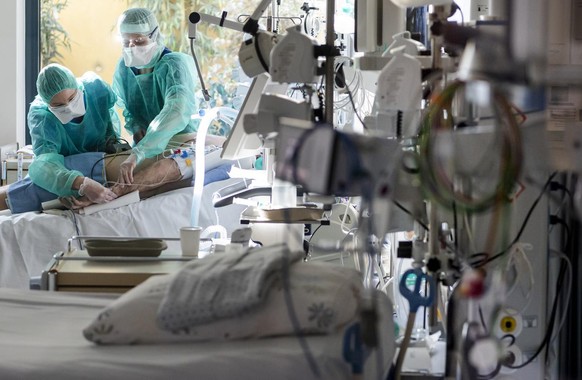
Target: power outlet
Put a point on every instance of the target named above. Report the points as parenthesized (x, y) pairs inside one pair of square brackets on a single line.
[(479, 8)]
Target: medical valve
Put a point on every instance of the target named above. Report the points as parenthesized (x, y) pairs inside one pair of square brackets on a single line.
[(472, 283), (508, 324)]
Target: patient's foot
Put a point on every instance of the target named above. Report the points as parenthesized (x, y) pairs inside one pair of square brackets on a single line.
[(73, 203), (120, 190)]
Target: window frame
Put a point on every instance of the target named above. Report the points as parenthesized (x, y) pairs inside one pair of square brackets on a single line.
[(32, 56)]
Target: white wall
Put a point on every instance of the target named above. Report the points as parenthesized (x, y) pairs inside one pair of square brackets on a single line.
[(12, 98)]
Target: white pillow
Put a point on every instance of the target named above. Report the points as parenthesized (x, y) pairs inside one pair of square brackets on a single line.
[(325, 298)]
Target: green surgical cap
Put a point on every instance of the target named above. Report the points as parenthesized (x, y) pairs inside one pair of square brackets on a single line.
[(137, 20), (53, 79)]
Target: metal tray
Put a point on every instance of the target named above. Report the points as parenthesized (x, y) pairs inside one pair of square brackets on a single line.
[(125, 248), (291, 214)]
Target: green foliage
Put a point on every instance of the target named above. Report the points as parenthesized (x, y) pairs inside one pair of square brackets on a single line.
[(216, 48), (52, 33)]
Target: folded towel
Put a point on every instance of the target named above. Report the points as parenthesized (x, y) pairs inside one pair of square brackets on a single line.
[(222, 286)]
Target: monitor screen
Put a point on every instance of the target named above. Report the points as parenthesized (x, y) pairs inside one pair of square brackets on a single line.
[(239, 144)]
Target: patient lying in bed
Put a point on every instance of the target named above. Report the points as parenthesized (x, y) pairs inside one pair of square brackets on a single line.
[(171, 170)]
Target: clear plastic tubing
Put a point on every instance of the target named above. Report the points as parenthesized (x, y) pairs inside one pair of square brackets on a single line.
[(207, 117), (199, 171)]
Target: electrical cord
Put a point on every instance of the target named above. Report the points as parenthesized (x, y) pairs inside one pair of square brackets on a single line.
[(519, 249), (312, 235), (510, 337), (569, 267), (427, 229), (110, 140), (478, 264), (73, 217), (125, 153), (554, 219), (491, 375), (555, 185), (481, 318), (345, 216), (341, 77), (549, 330), (401, 207), (341, 85), (546, 341)]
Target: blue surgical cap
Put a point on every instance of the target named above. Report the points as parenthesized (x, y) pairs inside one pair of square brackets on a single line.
[(137, 20), (53, 79)]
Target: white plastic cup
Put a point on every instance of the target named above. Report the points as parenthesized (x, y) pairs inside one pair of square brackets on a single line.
[(190, 241)]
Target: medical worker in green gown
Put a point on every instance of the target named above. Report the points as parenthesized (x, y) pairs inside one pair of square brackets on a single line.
[(71, 116), (156, 88)]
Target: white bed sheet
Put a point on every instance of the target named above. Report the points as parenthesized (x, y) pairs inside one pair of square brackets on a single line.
[(29, 240), (41, 338)]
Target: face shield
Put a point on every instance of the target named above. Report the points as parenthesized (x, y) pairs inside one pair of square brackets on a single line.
[(139, 50)]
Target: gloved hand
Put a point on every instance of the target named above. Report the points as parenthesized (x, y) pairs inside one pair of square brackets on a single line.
[(126, 170), (95, 191)]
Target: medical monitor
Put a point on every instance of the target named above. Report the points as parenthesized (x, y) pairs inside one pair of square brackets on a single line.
[(240, 144)]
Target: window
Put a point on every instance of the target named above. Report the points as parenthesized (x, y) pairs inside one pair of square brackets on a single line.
[(82, 35), (32, 58)]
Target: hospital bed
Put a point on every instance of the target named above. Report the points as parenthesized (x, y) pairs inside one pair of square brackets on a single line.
[(42, 337), (29, 240)]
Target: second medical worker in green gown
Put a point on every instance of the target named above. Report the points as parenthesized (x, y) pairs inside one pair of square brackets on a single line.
[(156, 88)]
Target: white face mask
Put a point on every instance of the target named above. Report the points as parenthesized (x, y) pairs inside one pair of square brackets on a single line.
[(75, 108), (139, 56)]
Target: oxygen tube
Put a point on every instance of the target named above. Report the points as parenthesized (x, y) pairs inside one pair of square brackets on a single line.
[(207, 117)]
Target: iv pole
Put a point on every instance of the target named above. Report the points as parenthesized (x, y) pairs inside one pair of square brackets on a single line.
[(329, 62)]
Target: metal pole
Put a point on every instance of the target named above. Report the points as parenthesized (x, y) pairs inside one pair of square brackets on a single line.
[(275, 16), (329, 62), (434, 251), (437, 14)]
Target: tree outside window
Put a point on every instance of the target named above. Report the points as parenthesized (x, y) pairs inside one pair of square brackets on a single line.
[(53, 37), (82, 35)]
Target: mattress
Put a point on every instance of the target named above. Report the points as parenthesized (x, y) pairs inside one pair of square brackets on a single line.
[(29, 240), (41, 338)]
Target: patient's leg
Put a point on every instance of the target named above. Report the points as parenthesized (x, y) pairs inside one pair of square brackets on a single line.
[(161, 176), (152, 178)]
